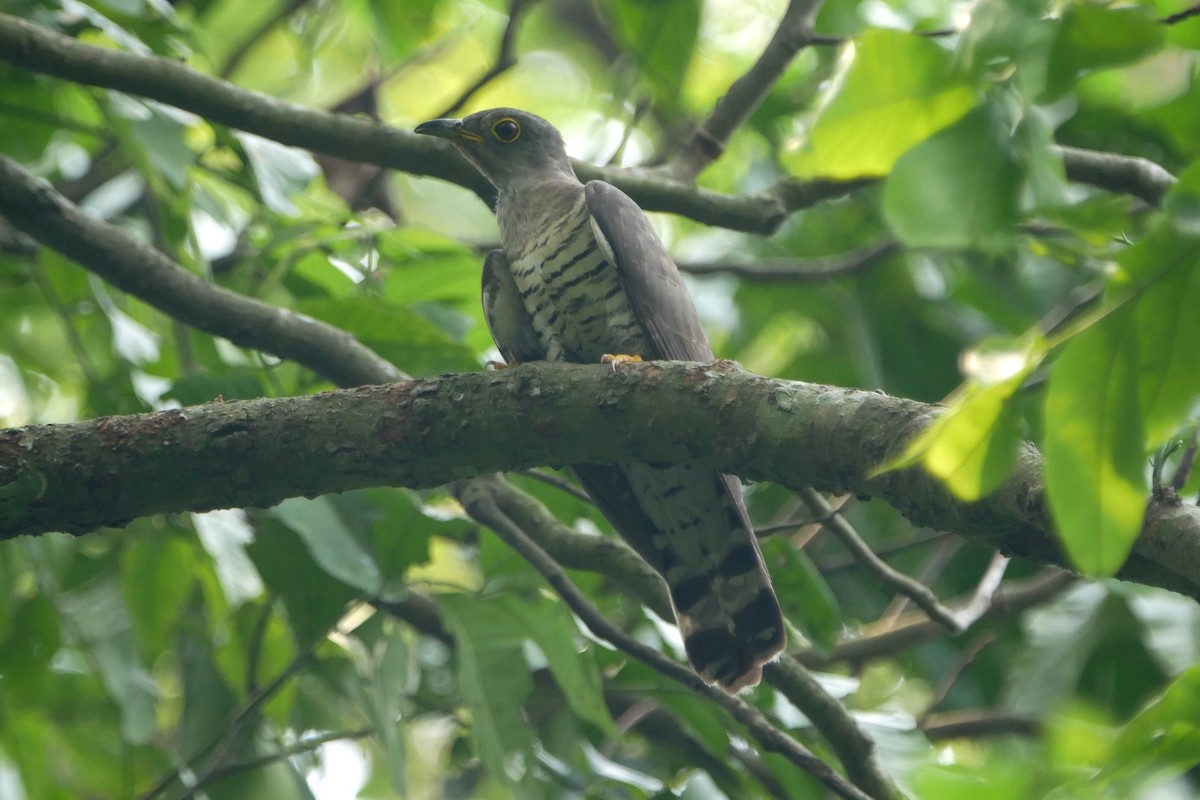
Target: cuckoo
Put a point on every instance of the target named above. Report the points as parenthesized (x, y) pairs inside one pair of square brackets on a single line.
[(582, 275)]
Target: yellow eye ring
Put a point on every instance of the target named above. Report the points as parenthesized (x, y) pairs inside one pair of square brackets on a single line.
[(506, 130)]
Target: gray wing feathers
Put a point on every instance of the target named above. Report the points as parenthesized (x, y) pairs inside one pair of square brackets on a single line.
[(507, 319), (652, 282)]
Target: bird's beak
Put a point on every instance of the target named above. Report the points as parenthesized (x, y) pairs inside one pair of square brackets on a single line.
[(451, 129)]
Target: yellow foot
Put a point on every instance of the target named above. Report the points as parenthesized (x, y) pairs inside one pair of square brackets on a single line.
[(618, 360), (501, 364)]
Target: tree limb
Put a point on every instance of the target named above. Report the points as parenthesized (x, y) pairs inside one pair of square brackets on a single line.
[(709, 139), (78, 476), (481, 506)]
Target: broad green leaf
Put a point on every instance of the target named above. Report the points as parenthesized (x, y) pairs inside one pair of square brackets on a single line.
[(661, 34), (314, 598), (97, 613), (1010, 39), (1095, 465), (402, 26), (897, 90), (403, 336), (957, 189), (1093, 37), (156, 572), (281, 172), (330, 540), (381, 657), (1165, 735), (553, 628), (1168, 330), (1183, 201), (494, 681), (807, 600)]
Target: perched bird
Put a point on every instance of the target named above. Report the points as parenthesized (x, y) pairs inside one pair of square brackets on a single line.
[(583, 275)]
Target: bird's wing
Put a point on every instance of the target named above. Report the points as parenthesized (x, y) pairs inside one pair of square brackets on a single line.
[(652, 282), (512, 330), (509, 322)]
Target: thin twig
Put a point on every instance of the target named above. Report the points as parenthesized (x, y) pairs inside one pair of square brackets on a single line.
[(918, 592), (916, 628), (504, 57), (561, 484), (884, 550), (301, 747), (266, 26), (802, 270), (1180, 16), (969, 612), (709, 139), (975, 723), (480, 505), (951, 676), (1186, 462)]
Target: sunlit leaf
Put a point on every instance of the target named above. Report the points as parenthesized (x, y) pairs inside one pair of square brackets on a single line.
[(1095, 463), (281, 172), (897, 90)]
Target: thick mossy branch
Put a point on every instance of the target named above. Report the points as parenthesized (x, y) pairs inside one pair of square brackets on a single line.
[(427, 432)]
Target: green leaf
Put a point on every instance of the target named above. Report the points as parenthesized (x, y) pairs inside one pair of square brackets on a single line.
[(897, 91), (313, 598), (97, 613), (1095, 476), (803, 592), (1168, 331), (156, 572), (1164, 736), (553, 628), (1183, 200), (281, 172), (494, 680), (329, 539), (957, 189), (1093, 37), (973, 444), (399, 334), (381, 659), (661, 35)]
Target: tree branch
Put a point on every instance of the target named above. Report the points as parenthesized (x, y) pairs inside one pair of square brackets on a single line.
[(35, 208), (709, 139), (916, 629), (504, 56), (30, 47), (78, 476), (481, 506)]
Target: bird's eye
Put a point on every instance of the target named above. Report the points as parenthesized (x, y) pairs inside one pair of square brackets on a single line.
[(506, 130)]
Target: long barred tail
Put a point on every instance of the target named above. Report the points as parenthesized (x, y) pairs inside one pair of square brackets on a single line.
[(692, 527)]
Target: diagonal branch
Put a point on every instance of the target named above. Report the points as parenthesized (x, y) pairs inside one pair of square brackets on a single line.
[(504, 57), (709, 139), (35, 208), (31, 47), (481, 506)]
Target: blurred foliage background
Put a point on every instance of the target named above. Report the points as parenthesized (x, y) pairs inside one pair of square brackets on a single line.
[(382, 644)]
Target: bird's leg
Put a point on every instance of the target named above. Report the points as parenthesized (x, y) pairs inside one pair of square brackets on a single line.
[(619, 360)]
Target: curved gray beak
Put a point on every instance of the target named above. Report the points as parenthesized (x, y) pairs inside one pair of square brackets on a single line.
[(451, 129)]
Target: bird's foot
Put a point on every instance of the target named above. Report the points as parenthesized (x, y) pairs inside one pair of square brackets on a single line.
[(502, 365), (619, 360)]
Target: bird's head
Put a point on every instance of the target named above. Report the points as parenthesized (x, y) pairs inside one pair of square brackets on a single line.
[(505, 144)]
